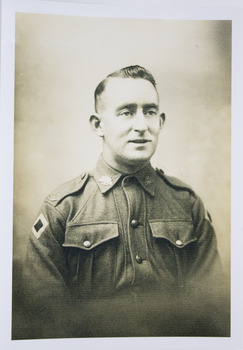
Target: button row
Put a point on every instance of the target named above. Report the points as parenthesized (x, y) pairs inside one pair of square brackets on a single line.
[(134, 224), (87, 244)]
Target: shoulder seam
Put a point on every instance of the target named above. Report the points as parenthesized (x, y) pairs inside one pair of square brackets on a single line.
[(58, 211)]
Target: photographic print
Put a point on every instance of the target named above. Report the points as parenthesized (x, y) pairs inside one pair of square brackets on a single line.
[(102, 254), (122, 177)]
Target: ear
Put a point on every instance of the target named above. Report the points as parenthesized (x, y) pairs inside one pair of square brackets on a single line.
[(95, 124), (161, 120)]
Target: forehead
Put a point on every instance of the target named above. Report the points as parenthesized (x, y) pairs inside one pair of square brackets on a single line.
[(119, 91)]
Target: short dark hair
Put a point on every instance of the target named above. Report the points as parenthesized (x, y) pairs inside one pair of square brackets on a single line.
[(135, 72)]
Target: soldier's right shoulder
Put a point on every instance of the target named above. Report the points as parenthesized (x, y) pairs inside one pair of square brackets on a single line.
[(67, 188)]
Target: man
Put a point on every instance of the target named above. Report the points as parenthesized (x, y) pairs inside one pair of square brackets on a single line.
[(123, 249)]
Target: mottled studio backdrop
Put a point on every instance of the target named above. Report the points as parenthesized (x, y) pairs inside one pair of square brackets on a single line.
[(59, 62)]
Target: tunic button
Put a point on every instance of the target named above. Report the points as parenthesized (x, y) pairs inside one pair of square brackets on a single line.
[(179, 242), (134, 223), (83, 176), (87, 244), (139, 260)]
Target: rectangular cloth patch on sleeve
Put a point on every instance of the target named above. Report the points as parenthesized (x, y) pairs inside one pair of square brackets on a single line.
[(39, 226)]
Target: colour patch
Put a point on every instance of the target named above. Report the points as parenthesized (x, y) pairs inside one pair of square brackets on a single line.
[(39, 226)]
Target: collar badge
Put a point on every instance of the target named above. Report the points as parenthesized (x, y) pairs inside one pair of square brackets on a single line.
[(106, 180), (148, 181)]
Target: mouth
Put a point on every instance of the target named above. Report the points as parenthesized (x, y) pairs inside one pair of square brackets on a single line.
[(140, 141)]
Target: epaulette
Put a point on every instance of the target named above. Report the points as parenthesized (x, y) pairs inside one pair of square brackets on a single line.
[(67, 188), (174, 182)]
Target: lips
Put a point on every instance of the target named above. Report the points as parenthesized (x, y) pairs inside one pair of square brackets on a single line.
[(140, 141)]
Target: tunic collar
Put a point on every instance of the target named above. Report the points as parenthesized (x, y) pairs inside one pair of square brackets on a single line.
[(106, 177)]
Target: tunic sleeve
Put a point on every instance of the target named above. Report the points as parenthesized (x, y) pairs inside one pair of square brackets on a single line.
[(204, 260), (45, 275)]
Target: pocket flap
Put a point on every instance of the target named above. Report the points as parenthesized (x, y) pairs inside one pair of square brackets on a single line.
[(89, 236), (178, 232)]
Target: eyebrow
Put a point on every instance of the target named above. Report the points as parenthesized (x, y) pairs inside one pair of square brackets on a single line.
[(127, 105), (134, 106), (151, 105)]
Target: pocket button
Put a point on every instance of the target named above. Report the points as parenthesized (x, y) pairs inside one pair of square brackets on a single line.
[(87, 244)]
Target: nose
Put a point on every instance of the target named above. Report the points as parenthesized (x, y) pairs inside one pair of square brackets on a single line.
[(139, 122)]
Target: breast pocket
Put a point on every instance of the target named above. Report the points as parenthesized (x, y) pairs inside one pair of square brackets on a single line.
[(171, 242), (91, 256), (179, 233)]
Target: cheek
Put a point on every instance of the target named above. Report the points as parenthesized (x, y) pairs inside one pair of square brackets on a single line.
[(109, 129), (154, 127), (118, 130), (113, 134)]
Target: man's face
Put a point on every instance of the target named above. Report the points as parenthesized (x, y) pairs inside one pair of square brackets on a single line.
[(130, 122)]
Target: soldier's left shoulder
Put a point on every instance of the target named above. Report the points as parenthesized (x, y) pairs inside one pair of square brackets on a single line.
[(175, 183), (180, 186)]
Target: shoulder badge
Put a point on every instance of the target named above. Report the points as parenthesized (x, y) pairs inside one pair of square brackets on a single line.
[(174, 182), (39, 226), (68, 188)]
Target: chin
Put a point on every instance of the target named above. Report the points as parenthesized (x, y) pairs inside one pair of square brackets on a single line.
[(138, 159)]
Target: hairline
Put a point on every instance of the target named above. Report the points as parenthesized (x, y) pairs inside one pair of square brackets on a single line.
[(108, 78)]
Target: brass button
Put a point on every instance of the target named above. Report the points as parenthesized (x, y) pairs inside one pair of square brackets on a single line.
[(139, 260), (179, 242), (134, 223), (87, 244)]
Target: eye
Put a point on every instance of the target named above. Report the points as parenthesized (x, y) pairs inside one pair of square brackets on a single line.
[(126, 113), (150, 112)]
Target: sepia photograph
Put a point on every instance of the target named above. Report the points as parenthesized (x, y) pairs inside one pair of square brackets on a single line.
[(121, 222), (113, 251)]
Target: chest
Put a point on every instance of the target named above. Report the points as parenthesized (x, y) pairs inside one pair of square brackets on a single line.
[(127, 238)]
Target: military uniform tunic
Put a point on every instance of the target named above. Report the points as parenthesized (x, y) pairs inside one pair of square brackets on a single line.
[(106, 232)]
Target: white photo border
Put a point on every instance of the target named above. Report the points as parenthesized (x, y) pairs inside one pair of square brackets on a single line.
[(176, 10)]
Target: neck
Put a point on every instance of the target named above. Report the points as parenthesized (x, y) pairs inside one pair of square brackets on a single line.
[(125, 167)]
